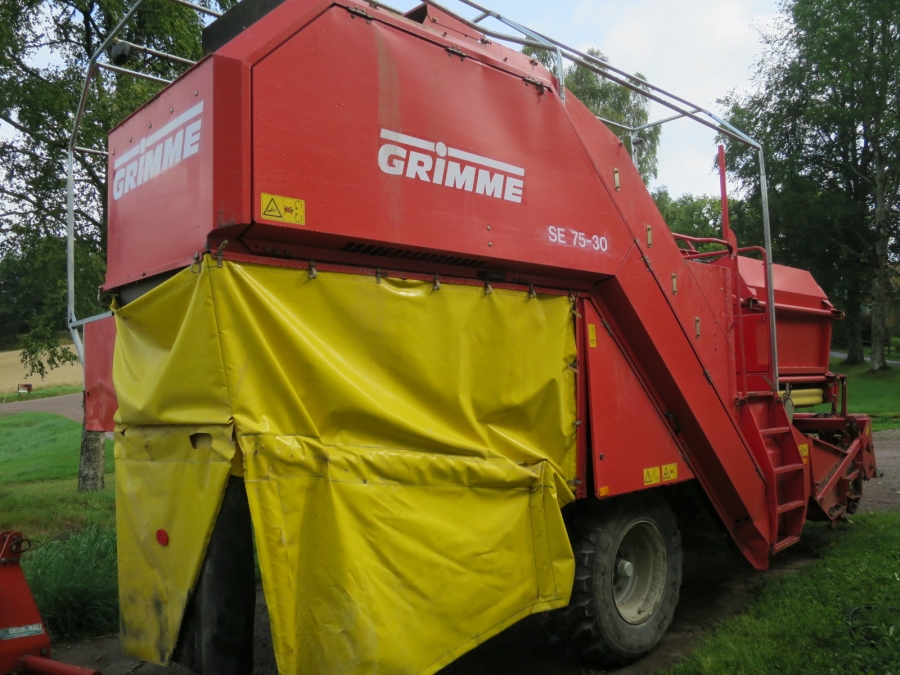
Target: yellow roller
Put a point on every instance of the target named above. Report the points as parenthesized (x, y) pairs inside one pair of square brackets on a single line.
[(806, 398)]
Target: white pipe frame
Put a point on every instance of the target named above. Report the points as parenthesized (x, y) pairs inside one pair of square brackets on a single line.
[(680, 106)]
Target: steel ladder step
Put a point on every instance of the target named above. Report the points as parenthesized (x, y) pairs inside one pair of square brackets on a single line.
[(782, 544), (791, 506), (788, 468)]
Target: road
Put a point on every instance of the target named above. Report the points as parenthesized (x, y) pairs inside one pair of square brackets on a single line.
[(843, 355), (67, 406)]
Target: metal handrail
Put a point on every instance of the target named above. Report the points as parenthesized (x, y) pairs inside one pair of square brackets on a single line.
[(73, 147), (156, 52), (680, 106)]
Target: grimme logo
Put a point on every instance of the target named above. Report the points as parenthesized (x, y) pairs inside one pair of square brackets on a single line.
[(396, 160), (158, 152)]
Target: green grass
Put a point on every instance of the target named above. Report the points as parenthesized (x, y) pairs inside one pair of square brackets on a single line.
[(38, 486), (75, 584), (40, 392), (47, 509), (875, 394), (805, 624), (72, 568), (39, 446)]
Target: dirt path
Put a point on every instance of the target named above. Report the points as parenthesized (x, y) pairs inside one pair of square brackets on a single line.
[(68, 406), (718, 583)]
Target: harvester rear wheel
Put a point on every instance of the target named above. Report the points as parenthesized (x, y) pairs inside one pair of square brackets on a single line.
[(627, 579)]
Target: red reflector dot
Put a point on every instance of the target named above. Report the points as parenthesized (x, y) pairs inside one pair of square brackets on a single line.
[(162, 537)]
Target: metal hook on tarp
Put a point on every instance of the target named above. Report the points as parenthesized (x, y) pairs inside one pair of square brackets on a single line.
[(220, 252), (437, 283), (196, 262), (531, 294), (377, 275), (312, 269), (574, 302), (487, 288)]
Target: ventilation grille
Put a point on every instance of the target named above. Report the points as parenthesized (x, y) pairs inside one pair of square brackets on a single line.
[(418, 256)]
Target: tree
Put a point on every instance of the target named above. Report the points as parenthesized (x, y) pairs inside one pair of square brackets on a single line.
[(827, 112), (45, 46), (613, 102), (693, 215)]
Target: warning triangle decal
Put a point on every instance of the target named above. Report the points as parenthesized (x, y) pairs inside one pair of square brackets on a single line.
[(272, 210)]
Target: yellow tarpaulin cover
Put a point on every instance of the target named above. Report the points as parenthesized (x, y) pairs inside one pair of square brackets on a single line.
[(405, 452)]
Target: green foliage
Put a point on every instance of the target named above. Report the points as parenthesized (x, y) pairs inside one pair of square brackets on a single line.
[(612, 102), (75, 583), (45, 46), (694, 215), (839, 615), (826, 111), (41, 446)]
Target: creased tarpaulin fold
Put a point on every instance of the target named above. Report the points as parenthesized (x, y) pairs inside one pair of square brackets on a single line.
[(405, 450)]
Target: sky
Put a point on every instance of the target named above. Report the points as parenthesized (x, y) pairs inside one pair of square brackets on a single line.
[(698, 49)]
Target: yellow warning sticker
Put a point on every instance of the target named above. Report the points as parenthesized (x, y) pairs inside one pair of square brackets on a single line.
[(670, 472), (282, 209), (804, 451), (592, 335), (651, 475)]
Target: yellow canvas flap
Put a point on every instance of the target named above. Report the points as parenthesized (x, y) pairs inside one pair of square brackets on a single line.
[(406, 450)]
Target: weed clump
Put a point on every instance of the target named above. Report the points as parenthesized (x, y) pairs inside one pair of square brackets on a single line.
[(74, 583)]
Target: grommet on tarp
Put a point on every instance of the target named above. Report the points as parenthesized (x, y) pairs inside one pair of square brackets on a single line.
[(437, 283), (531, 294), (487, 288), (162, 537), (220, 251), (196, 262), (312, 269)]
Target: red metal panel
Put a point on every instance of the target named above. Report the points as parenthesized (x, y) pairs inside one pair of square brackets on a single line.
[(719, 455), (178, 168), (803, 316), (710, 300), (662, 258), (372, 140), (632, 446), (100, 402)]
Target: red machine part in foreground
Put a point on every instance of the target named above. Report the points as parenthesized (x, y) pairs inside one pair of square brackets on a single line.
[(24, 640)]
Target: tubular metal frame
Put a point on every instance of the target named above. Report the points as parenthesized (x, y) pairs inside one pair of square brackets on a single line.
[(680, 106), (93, 66)]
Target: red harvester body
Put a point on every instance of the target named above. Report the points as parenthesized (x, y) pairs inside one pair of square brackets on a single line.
[(367, 141)]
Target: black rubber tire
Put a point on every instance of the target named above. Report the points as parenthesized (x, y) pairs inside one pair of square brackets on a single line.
[(591, 626)]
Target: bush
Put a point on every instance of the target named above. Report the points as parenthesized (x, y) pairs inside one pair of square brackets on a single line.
[(74, 583)]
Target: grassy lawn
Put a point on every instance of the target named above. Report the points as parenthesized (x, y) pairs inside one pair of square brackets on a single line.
[(72, 569), (841, 614), (876, 394), (38, 488), (41, 392)]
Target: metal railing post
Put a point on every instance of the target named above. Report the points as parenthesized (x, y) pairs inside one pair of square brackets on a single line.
[(70, 252), (770, 285), (70, 179)]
